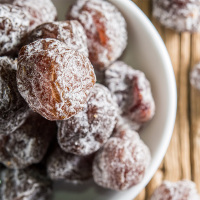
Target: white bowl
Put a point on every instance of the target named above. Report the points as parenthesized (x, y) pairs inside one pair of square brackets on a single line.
[(146, 51)]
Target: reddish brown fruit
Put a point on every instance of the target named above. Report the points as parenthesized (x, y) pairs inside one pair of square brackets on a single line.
[(69, 167), (131, 91), (90, 129), (37, 13), (105, 29), (28, 144), (122, 162), (27, 184), (70, 32), (54, 80), (180, 15), (181, 190), (13, 27), (13, 108)]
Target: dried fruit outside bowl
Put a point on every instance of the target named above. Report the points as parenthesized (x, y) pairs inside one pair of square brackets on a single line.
[(146, 52)]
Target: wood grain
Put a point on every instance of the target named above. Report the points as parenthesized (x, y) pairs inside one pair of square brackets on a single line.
[(182, 160)]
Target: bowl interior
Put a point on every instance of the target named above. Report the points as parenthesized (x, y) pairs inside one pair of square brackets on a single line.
[(147, 53)]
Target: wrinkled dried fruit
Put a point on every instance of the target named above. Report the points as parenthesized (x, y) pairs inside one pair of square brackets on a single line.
[(131, 90), (180, 15), (87, 131), (13, 27), (28, 144), (37, 13), (105, 29), (195, 76), (181, 190), (28, 184), (54, 80), (69, 32), (122, 162), (69, 167), (13, 108)]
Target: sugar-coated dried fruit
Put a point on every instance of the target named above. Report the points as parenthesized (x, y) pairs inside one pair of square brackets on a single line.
[(195, 76), (37, 13), (13, 108), (105, 29), (69, 167), (122, 162), (180, 15), (27, 184), (13, 27), (181, 190), (87, 131), (70, 32), (28, 144), (54, 80), (131, 90)]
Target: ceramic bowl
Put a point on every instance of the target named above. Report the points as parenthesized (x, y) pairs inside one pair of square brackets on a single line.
[(146, 51)]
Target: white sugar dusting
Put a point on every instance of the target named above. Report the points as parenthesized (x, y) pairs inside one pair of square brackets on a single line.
[(184, 190), (122, 162), (14, 25), (59, 89), (37, 12), (105, 28), (132, 91), (87, 131), (69, 167), (24, 184), (70, 32), (181, 16)]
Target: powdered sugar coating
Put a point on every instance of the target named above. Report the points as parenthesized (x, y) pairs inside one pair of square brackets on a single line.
[(195, 76), (37, 12), (28, 144), (70, 32), (54, 80), (28, 184), (14, 25), (132, 92), (69, 167), (105, 29), (181, 190), (180, 15), (13, 108), (87, 131), (122, 162)]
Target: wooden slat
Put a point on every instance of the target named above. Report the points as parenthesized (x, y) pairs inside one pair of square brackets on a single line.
[(183, 106), (172, 158), (195, 115)]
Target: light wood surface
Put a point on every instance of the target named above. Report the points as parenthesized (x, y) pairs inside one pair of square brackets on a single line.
[(182, 160)]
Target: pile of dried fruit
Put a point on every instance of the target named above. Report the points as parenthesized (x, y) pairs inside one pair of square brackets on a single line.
[(47, 75)]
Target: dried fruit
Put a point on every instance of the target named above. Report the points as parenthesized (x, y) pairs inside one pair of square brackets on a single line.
[(13, 27), (69, 32), (131, 90), (180, 15), (87, 131), (28, 144), (195, 76), (181, 190), (27, 184), (54, 80), (105, 29), (37, 13), (13, 108), (69, 167), (122, 162)]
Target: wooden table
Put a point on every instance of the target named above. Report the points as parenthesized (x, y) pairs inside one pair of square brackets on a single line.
[(182, 160)]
